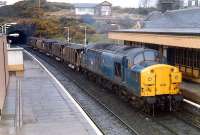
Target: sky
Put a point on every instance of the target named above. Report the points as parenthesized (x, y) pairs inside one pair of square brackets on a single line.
[(122, 3)]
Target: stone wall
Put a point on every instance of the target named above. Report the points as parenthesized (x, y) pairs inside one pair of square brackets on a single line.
[(4, 76)]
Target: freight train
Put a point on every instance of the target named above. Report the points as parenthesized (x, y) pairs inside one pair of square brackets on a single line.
[(138, 75)]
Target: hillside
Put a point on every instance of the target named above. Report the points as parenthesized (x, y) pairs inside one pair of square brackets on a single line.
[(23, 9)]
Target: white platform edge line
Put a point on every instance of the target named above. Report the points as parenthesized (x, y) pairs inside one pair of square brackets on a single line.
[(98, 132), (192, 103)]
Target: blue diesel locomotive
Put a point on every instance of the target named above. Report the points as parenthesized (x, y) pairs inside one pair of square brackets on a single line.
[(134, 73), (138, 75)]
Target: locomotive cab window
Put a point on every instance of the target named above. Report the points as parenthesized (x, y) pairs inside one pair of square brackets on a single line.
[(117, 69), (138, 59), (149, 56)]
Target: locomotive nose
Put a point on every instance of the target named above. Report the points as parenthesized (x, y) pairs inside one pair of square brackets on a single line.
[(160, 80)]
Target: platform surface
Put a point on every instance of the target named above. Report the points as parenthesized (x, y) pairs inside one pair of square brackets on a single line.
[(46, 110), (191, 91)]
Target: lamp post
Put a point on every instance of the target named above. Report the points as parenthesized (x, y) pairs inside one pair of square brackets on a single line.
[(1, 29), (5, 26), (39, 4), (67, 34), (85, 40)]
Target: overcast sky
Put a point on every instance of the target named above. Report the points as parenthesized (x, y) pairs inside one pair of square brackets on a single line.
[(123, 3)]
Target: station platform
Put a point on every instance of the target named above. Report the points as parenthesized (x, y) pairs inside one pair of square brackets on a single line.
[(191, 91), (37, 105)]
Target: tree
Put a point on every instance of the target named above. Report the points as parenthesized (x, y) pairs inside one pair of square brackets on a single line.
[(76, 33), (46, 27), (27, 9)]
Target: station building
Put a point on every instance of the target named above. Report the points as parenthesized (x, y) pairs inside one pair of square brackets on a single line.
[(176, 34), (94, 9)]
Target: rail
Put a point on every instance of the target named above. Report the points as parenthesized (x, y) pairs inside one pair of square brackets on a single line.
[(192, 103), (19, 116), (90, 121), (99, 102), (124, 123)]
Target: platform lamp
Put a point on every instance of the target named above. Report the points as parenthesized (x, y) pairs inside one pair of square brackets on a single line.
[(6, 26), (85, 40), (68, 39), (2, 29)]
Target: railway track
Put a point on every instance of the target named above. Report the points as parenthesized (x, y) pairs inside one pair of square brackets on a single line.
[(19, 115), (166, 122), (132, 131)]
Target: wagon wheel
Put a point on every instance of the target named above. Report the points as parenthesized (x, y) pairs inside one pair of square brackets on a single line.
[(97, 80), (115, 89), (126, 96), (175, 105), (94, 78), (77, 69)]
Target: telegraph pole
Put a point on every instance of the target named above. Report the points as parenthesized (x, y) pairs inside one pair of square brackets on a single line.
[(85, 39), (39, 4)]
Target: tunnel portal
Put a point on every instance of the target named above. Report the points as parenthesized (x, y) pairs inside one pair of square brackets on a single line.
[(21, 39)]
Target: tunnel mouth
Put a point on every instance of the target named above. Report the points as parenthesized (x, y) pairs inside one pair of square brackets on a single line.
[(21, 39)]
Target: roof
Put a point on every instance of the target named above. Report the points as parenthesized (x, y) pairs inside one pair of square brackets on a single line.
[(178, 22), (184, 19), (58, 43), (76, 46), (187, 41), (171, 31), (85, 5), (101, 46), (122, 50), (50, 40), (105, 3), (91, 5), (176, 28)]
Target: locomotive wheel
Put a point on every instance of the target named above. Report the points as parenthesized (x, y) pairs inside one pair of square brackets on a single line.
[(175, 105), (123, 95), (147, 109)]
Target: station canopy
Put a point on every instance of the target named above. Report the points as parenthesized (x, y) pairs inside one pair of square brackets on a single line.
[(177, 28)]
